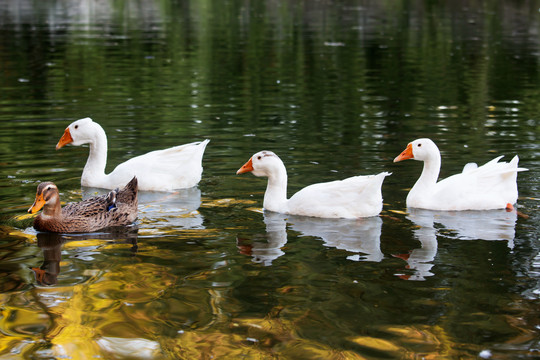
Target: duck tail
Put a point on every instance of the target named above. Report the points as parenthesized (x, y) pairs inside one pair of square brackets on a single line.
[(129, 193), (132, 185)]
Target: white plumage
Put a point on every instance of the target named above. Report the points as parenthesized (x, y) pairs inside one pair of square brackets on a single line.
[(354, 197), (178, 167), (490, 186)]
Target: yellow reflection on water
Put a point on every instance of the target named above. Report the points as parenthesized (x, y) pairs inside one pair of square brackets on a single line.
[(226, 202)]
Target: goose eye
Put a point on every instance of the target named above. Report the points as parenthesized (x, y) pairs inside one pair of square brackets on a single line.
[(76, 126), (259, 157), (419, 145)]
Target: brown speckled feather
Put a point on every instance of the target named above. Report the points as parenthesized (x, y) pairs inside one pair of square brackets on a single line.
[(117, 208)]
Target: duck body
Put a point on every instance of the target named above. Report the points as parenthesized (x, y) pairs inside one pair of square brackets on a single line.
[(117, 208), (178, 167), (354, 197), (487, 187)]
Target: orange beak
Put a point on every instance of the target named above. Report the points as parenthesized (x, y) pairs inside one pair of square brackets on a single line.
[(38, 204), (65, 139), (406, 154), (247, 167)]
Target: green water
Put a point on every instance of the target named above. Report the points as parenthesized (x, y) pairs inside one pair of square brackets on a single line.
[(336, 89)]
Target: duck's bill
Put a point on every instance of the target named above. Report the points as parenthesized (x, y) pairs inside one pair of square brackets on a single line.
[(406, 154), (37, 205), (65, 139), (247, 167)]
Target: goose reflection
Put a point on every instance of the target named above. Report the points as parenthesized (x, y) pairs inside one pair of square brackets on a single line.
[(421, 259), (165, 209), (470, 225), (267, 250), (361, 236), (51, 246), (490, 225), (358, 236)]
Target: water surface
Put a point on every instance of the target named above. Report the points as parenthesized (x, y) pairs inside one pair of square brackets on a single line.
[(336, 90)]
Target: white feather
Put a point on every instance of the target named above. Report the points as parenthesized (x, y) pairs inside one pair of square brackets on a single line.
[(178, 167), (354, 197), (490, 186)]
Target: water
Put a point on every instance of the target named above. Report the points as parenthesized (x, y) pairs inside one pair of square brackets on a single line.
[(336, 89)]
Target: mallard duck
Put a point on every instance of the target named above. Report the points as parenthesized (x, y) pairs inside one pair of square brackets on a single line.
[(354, 197), (178, 167), (117, 208), (490, 186)]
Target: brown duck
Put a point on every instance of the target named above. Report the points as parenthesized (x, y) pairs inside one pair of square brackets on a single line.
[(117, 208)]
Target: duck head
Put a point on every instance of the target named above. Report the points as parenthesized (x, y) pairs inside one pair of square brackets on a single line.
[(46, 196), (419, 149), (78, 132), (263, 163)]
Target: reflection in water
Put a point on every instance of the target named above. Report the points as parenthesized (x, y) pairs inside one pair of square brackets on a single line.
[(461, 225), (360, 236), (421, 259), (268, 74), (51, 245), (470, 225), (80, 12), (176, 209), (124, 348), (264, 252)]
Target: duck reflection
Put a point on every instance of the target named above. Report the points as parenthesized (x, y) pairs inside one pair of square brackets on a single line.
[(490, 225), (359, 236), (51, 246), (165, 209)]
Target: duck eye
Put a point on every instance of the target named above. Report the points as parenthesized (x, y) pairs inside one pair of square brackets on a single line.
[(259, 157), (419, 145), (76, 126)]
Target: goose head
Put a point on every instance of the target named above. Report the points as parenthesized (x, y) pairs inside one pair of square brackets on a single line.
[(78, 132), (263, 163), (46, 196), (419, 149)]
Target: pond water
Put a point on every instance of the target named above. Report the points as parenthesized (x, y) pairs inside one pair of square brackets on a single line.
[(336, 89)]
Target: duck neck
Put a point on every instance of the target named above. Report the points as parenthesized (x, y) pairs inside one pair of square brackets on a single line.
[(52, 209), (97, 158), (275, 197)]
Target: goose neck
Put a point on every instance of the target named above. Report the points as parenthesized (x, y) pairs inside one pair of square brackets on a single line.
[(97, 158), (430, 172), (275, 197)]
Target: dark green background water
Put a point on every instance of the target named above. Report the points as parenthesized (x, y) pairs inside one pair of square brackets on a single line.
[(336, 89)]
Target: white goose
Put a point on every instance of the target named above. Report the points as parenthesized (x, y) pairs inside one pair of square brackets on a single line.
[(354, 197), (490, 186), (162, 170)]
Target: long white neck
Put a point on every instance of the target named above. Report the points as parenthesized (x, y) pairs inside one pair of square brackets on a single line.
[(275, 197), (97, 158), (430, 173)]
